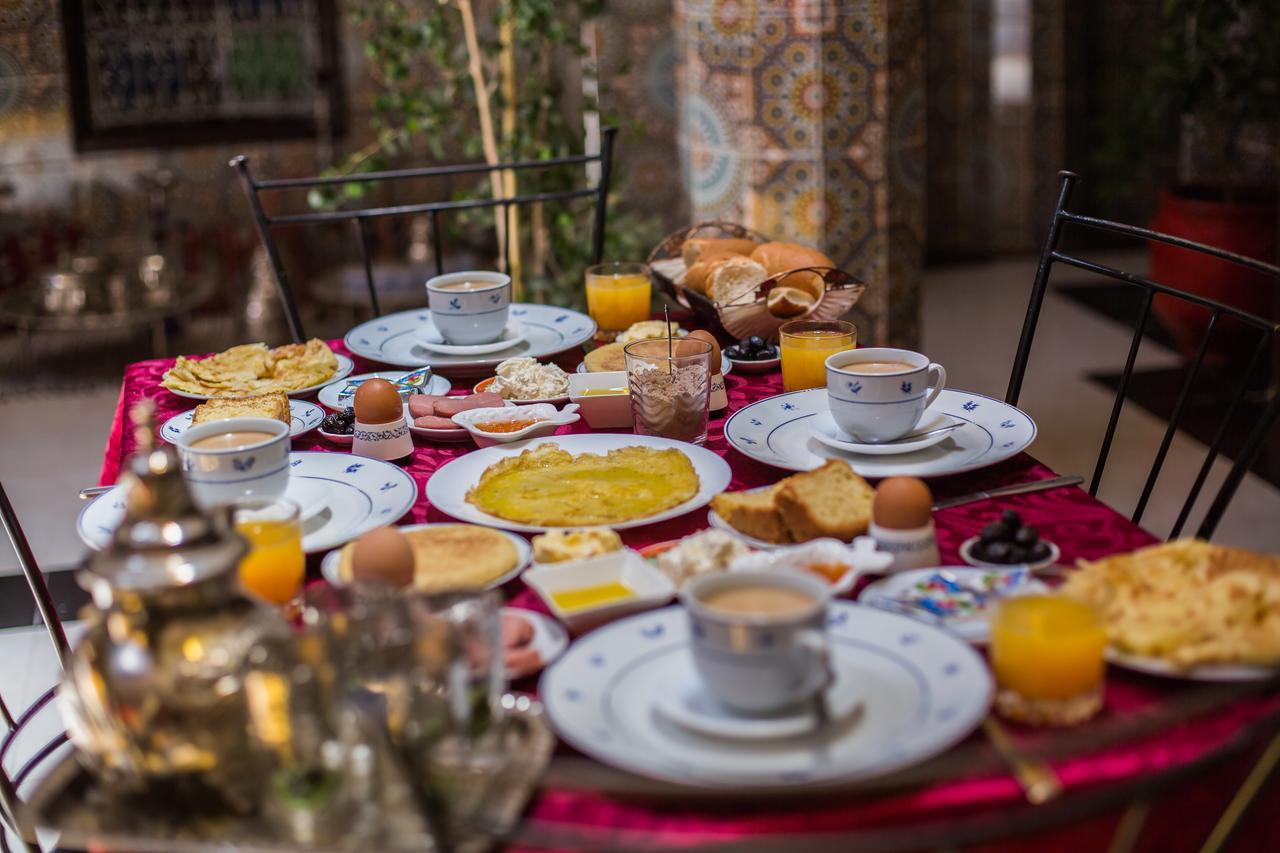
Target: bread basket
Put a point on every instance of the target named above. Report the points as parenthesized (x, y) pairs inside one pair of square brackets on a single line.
[(748, 315)]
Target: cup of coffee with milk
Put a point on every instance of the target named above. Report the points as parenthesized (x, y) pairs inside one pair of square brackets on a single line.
[(469, 307), (759, 639), (879, 394), (235, 458)]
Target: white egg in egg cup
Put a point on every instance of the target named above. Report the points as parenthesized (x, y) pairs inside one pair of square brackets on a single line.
[(388, 441)]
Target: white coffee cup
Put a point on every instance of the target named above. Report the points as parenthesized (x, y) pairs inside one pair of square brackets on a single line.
[(878, 407), (474, 316), (221, 475), (759, 662)]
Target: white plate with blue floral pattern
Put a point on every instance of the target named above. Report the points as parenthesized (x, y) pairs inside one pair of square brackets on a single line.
[(303, 417), (923, 690), (779, 431), (396, 339), (361, 494)]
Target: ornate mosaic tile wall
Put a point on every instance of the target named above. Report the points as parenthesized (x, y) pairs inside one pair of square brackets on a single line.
[(805, 120)]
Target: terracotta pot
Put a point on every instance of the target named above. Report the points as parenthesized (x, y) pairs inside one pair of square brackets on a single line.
[(1246, 226)]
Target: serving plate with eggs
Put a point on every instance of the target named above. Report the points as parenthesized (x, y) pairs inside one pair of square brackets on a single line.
[(539, 484)]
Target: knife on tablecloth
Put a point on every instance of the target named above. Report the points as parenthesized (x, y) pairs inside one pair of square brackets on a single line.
[(1018, 489)]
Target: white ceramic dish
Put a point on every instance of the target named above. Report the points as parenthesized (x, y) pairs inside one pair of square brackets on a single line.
[(548, 420), (331, 397), (550, 640), (973, 626), (345, 366), (483, 386), (610, 411), (763, 365), (303, 417), (1205, 672), (394, 339), (861, 556), (444, 436), (923, 691), (827, 431), (363, 494), (329, 566), (689, 704), (651, 587), (448, 486), (777, 431), (511, 335), (343, 440), (966, 554)]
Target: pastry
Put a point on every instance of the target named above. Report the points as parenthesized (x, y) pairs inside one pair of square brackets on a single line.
[(753, 513), (780, 257), (274, 405), (828, 501), (789, 302), (734, 280), (695, 247)]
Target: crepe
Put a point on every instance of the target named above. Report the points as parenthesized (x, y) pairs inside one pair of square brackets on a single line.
[(451, 557), (547, 485), (1187, 602), (606, 358), (251, 369)]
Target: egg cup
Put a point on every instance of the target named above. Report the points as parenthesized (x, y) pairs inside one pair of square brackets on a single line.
[(387, 441)]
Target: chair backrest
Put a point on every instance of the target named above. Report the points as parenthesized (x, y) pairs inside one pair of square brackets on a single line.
[(13, 724), (1267, 331), (599, 163)]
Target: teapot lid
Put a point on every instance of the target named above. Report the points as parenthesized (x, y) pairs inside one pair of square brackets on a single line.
[(164, 540)]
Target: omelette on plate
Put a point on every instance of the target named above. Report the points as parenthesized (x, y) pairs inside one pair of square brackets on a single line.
[(547, 485), (251, 369)]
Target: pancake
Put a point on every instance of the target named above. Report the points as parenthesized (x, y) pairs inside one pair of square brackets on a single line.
[(607, 357), (547, 485), (252, 369), (451, 557)]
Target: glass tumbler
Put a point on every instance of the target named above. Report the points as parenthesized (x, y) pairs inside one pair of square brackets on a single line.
[(805, 345), (617, 296), (275, 565), (670, 385)]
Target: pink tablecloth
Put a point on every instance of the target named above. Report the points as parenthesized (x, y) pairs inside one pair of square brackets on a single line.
[(1082, 527)]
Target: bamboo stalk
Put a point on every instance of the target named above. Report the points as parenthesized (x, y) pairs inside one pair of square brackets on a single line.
[(488, 140), (510, 92)]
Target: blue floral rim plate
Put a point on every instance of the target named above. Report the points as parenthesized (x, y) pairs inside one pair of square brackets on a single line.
[(303, 417)]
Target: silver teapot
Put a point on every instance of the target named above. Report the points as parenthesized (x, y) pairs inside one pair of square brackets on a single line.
[(153, 697)]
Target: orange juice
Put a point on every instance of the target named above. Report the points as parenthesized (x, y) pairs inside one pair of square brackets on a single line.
[(275, 565), (1047, 655), (618, 295), (805, 346)]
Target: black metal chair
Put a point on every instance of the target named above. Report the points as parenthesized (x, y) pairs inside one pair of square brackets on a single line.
[(1268, 335), (11, 784), (361, 217)]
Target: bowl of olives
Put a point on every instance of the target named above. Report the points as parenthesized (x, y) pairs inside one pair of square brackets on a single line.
[(1009, 542), (753, 355), (339, 427)]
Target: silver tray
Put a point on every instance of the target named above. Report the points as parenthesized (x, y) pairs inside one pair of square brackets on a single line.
[(68, 801)]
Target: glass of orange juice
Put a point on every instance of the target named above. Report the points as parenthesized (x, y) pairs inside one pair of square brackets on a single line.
[(275, 565), (618, 295), (805, 346), (1047, 654)]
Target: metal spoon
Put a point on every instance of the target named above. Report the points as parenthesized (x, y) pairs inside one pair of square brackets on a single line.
[(916, 436)]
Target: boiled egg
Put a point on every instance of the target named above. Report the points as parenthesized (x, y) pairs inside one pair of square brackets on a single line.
[(378, 402), (383, 556), (902, 503)]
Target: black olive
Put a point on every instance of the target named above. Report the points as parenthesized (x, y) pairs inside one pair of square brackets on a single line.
[(996, 552), (756, 342), (1038, 552), (1017, 554), (993, 532), (1011, 518), (1027, 536)]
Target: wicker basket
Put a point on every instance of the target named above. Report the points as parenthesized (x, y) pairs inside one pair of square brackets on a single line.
[(750, 316)]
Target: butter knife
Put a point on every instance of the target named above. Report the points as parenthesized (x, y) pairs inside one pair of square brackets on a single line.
[(1017, 489)]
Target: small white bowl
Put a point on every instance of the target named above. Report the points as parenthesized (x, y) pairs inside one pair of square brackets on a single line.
[(548, 420), (966, 554), (602, 411), (652, 588), (861, 557), (335, 438), (763, 365)]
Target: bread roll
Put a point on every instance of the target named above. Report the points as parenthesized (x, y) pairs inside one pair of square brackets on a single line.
[(734, 279), (780, 257), (695, 247), (789, 302), (696, 277)]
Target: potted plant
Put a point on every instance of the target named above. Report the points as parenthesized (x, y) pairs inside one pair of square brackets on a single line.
[(1203, 118)]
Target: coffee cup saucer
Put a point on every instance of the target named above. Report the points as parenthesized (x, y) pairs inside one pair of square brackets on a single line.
[(826, 430), (690, 705), (311, 496), (431, 339)]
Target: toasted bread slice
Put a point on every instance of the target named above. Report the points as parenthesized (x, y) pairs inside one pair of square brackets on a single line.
[(273, 405), (828, 501), (753, 513)]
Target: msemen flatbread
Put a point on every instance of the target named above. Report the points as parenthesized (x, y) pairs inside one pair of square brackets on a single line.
[(1187, 602), (251, 369), (451, 557), (548, 485)]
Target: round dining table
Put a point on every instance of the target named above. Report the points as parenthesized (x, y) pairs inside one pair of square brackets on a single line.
[(1155, 770)]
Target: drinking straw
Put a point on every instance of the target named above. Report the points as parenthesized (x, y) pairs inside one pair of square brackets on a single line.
[(671, 363)]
